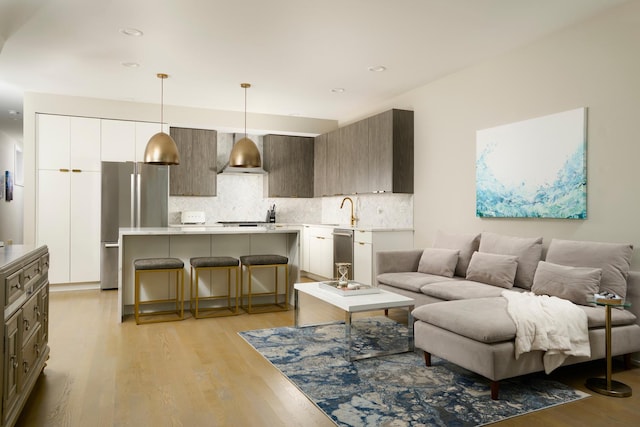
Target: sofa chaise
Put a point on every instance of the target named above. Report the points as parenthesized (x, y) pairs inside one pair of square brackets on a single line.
[(462, 316)]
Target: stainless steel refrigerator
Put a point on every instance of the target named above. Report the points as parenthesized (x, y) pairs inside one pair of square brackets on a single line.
[(133, 195)]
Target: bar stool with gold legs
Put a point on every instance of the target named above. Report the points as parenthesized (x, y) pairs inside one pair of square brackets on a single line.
[(213, 264), (250, 262), (156, 265)]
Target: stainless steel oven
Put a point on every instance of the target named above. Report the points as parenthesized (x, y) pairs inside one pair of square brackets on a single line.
[(342, 249)]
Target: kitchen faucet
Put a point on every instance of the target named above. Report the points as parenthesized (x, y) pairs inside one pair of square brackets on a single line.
[(353, 218)]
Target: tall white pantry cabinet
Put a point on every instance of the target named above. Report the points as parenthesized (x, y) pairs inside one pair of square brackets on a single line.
[(68, 196)]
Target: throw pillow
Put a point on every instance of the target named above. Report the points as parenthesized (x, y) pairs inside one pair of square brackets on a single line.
[(493, 269), (467, 244), (576, 284), (612, 258), (527, 249), (441, 262)]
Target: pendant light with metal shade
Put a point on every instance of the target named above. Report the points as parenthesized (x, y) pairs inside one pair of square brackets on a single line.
[(161, 148), (245, 153)]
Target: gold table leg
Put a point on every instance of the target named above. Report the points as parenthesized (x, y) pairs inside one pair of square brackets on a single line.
[(608, 386)]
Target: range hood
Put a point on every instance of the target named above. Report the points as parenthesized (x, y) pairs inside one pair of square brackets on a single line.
[(234, 170), (245, 155), (244, 158)]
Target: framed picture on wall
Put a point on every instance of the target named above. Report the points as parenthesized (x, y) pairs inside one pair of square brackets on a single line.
[(535, 168), (8, 186)]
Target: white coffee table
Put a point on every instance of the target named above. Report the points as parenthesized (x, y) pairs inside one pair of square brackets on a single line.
[(356, 304)]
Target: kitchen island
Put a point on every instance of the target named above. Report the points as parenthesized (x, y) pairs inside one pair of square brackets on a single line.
[(200, 241)]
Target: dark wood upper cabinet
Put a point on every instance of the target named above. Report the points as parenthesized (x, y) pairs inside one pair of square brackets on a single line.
[(196, 174), (288, 161), (333, 174), (390, 152), (369, 156), (320, 165), (353, 152)]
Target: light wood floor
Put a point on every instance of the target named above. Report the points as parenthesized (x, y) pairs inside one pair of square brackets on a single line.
[(201, 373)]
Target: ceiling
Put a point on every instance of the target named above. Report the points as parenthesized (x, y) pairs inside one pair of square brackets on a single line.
[(293, 52)]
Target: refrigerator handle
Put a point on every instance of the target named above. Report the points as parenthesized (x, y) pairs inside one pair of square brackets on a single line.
[(139, 177), (132, 192)]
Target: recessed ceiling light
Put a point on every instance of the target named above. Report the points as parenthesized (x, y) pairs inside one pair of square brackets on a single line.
[(130, 64), (134, 32), (377, 68), (337, 90)]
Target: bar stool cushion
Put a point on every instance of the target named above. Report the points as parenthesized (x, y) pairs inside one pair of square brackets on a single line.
[(214, 261), (263, 259), (157, 263)]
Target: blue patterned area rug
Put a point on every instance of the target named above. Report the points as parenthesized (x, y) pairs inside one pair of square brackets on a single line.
[(397, 390)]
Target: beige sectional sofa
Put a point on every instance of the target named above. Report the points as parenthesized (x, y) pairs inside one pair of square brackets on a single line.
[(461, 315)]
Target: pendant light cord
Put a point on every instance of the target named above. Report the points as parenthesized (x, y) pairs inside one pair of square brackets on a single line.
[(161, 102), (162, 76), (245, 112)]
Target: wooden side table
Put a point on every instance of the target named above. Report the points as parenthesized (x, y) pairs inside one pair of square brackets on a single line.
[(608, 386)]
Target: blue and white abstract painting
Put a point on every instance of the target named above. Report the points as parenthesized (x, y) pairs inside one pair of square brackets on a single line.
[(533, 169)]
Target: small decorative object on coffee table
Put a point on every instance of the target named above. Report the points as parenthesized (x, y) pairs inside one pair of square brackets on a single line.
[(608, 386), (348, 288), (343, 270)]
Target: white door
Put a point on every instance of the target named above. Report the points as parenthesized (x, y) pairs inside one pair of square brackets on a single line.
[(321, 256), (84, 144), (53, 141), (84, 234), (53, 221), (362, 263)]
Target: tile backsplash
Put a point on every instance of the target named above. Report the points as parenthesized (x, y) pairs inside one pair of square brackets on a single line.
[(241, 198)]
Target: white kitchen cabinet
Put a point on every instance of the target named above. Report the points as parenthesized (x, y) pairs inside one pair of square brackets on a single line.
[(68, 196), (84, 216), (320, 251), (53, 214), (304, 248), (118, 141), (365, 245), (125, 141), (362, 262), (68, 143), (69, 224)]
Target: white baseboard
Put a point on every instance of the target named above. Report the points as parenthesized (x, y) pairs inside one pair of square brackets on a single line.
[(67, 287)]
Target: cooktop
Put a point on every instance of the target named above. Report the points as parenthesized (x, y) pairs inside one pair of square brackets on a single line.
[(242, 223)]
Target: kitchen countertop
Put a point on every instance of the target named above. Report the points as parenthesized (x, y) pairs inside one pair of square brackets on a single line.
[(360, 227), (11, 253), (208, 229), (288, 225)]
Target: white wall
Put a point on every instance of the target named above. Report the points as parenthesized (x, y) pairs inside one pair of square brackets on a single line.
[(11, 213), (596, 65)]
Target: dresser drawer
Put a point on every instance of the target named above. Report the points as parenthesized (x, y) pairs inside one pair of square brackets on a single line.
[(30, 315), (363, 236), (31, 351), (13, 287), (44, 263), (31, 273)]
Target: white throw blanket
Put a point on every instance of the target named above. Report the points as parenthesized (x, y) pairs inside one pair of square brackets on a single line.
[(553, 325)]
